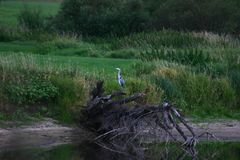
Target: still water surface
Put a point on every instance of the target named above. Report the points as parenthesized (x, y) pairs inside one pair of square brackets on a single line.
[(90, 151)]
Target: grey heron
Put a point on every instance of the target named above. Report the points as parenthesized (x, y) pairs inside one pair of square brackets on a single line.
[(120, 79)]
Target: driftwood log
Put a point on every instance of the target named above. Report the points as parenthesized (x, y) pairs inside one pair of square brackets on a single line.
[(121, 123)]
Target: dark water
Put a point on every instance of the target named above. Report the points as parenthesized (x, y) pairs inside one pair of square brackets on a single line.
[(89, 151)]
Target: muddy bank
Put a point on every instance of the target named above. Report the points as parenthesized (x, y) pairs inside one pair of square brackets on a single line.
[(48, 134), (223, 130), (44, 134)]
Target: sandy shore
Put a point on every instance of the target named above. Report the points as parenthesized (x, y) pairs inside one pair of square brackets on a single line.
[(49, 134)]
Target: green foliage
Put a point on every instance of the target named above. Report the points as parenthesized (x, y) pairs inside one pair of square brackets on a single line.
[(101, 18), (142, 68), (159, 40), (20, 115), (31, 19), (153, 94), (58, 43), (110, 86), (195, 57), (7, 34), (31, 90), (10, 9), (234, 76), (3, 116), (124, 17), (72, 96), (200, 90), (171, 91), (123, 54), (198, 71), (192, 91)]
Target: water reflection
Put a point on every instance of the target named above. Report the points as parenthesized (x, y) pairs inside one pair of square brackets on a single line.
[(91, 151)]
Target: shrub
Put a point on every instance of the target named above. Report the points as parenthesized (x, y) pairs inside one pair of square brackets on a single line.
[(72, 96), (101, 18), (31, 90), (117, 17), (31, 19), (7, 35), (201, 90)]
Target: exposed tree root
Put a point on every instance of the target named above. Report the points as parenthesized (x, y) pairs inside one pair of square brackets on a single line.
[(119, 124)]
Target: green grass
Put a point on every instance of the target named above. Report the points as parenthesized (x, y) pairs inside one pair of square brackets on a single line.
[(9, 10), (18, 46), (201, 89), (198, 71), (88, 65), (64, 81)]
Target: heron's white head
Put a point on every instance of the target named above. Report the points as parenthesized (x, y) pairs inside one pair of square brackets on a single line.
[(118, 69)]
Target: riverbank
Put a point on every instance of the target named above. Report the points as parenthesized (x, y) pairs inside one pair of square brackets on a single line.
[(48, 133), (45, 134)]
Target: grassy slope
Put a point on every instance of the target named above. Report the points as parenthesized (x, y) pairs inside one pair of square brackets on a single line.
[(17, 46), (100, 67), (10, 9), (86, 64)]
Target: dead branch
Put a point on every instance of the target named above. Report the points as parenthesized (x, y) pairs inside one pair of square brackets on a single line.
[(117, 121)]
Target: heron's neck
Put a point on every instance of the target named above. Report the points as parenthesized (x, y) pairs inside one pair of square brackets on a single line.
[(119, 74)]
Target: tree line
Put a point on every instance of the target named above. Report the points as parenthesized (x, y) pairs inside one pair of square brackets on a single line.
[(121, 17)]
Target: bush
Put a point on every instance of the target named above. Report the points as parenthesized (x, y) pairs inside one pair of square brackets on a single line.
[(201, 90), (7, 35), (91, 17), (31, 19), (31, 90), (72, 96), (101, 18)]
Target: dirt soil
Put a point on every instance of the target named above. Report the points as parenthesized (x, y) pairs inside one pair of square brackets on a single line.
[(45, 134), (48, 133)]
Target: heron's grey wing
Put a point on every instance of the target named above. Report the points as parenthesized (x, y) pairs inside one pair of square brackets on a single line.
[(122, 82)]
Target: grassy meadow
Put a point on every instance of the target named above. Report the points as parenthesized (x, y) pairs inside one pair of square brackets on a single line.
[(50, 74), (9, 10)]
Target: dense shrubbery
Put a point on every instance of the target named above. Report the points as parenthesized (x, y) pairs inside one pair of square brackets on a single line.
[(102, 17), (31, 19), (91, 17), (194, 90), (34, 92), (25, 85), (7, 35)]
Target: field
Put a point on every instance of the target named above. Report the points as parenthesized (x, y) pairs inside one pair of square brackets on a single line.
[(51, 74), (9, 10)]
